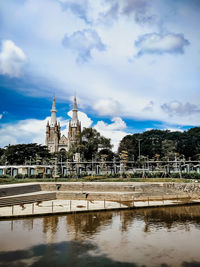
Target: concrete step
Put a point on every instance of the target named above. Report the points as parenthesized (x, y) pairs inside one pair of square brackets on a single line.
[(18, 200)]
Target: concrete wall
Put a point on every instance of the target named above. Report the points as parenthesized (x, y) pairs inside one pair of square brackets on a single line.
[(147, 188), (107, 190)]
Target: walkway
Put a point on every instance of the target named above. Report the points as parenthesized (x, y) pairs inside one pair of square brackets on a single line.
[(75, 206)]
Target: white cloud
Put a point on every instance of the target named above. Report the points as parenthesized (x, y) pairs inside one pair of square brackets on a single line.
[(178, 108), (12, 59), (107, 107), (161, 43), (115, 130), (24, 131), (83, 43), (106, 12)]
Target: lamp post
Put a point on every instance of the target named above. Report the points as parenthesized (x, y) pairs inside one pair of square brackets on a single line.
[(114, 165), (139, 141), (92, 164)]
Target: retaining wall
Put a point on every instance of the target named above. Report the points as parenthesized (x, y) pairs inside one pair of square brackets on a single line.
[(106, 190)]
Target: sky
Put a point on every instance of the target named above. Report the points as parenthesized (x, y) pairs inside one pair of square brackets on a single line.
[(133, 65)]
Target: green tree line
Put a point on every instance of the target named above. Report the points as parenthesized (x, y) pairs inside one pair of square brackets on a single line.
[(163, 144)]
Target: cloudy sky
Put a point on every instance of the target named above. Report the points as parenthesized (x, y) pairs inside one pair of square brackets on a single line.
[(133, 64)]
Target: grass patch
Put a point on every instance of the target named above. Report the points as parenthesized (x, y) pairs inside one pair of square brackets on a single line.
[(11, 180)]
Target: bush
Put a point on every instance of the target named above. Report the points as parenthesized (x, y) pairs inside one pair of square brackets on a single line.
[(33, 176), (113, 175), (4, 176), (136, 175), (191, 175), (39, 175), (69, 175), (19, 176)]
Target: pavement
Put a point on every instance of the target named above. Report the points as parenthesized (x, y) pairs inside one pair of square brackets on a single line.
[(75, 206)]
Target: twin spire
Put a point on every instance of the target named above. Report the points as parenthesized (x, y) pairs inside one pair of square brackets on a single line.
[(53, 113), (74, 113)]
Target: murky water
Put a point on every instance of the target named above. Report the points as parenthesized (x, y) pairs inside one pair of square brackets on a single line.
[(144, 237)]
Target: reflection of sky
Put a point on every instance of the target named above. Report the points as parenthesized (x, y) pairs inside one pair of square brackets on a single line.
[(150, 237)]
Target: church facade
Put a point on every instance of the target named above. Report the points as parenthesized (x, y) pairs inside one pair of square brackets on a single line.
[(54, 140)]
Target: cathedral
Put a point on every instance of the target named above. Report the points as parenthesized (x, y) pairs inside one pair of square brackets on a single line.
[(54, 141)]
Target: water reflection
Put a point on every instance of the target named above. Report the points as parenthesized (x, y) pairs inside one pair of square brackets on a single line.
[(59, 254), (143, 237)]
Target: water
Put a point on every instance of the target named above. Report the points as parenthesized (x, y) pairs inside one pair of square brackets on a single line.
[(143, 237)]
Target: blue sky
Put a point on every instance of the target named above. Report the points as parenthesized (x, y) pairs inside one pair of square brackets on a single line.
[(134, 65)]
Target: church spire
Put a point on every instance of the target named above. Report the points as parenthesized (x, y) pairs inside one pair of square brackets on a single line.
[(75, 113), (53, 113)]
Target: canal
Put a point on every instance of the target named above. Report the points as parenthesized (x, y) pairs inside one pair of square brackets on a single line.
[(162, 237)]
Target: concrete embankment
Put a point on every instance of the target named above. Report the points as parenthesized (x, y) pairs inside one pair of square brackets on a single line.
[(47, 198)]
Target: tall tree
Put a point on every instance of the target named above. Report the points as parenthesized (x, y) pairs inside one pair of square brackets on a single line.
[(163, 143), (92, 143)]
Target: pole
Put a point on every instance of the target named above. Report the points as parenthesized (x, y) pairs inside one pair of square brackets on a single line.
[(139, 150), (139, 140), (92, 165), (120, 168)]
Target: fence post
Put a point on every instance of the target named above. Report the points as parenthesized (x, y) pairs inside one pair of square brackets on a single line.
[(104, 203), (120, 202), (87, 205), (33, 208), (12, 210), (52, 206), (148, 201), (70, 205)]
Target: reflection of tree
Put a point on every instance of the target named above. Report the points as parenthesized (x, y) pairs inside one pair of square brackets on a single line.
[(146, 221), (50, 225), (126, 219), (28, 224), (169, 217), (166, 217), (88, 223)]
